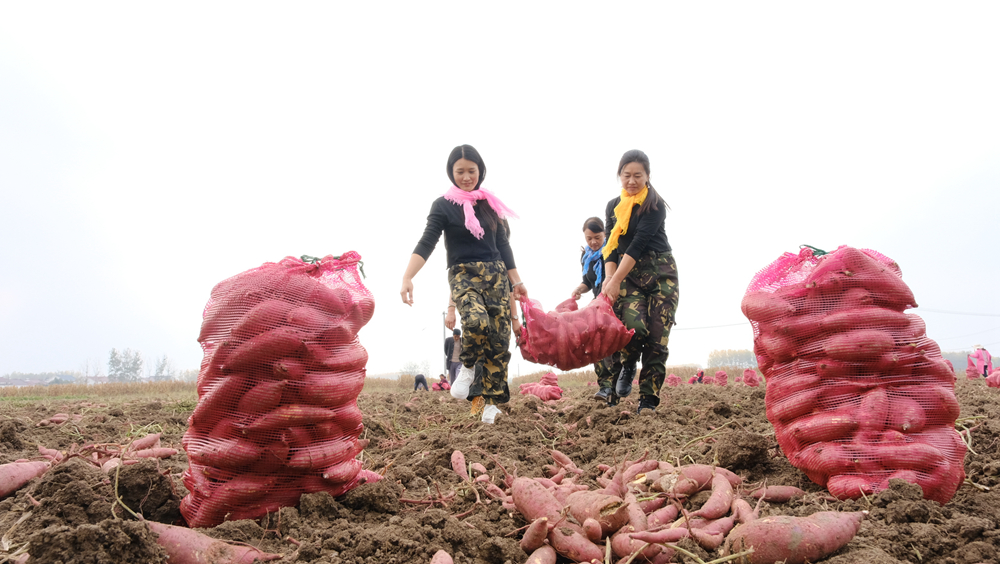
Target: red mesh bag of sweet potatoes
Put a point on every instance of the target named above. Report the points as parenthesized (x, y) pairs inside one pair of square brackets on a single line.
[(856, 391), (569, 337), (277, 413)]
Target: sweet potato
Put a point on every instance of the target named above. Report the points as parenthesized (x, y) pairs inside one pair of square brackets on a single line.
[(863, 318), (262, 398), (265, 348), (225, 453), (721, 500), (458, 465), (574, 545), (14, 475), (344, 358), (533, 500), (777, 494), (794, 540), (858, 345), (151, 440), (764, 306), (342, 471), (263, 317), (187, 546), (825, 426), (535, 534), (308, 320), (544, 554), (442, 557), (321, 455), (610, 511), (289, 416)]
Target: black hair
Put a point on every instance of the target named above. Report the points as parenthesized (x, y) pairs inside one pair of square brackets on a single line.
[(653, 199), (594, 224), (469, 153)]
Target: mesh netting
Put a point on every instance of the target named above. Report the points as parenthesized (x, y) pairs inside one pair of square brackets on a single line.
[(856, 391), (570, 338), (277, 412)]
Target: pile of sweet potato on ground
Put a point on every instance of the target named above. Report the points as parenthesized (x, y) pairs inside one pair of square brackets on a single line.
[(643, 508)]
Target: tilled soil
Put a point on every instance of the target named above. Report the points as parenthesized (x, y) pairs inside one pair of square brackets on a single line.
[(75, 513)]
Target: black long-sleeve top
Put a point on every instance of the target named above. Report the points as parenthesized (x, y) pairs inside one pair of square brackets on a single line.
[(646, 232), (590, 277), (461, 245)]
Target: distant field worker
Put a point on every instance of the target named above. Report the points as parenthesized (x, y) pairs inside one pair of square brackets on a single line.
[(441, 385), (482, 274), (593, 277), (419, 381), (641, 278), (453, 348), (980, 363)]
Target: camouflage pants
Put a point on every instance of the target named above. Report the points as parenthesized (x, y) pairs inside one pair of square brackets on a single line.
[(605, 378), (481, 292), (647, 303)]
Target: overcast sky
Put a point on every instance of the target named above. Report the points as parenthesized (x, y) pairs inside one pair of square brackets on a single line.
[(148, 151)]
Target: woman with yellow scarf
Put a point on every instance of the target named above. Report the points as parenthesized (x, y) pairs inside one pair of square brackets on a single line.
[(640, 280)]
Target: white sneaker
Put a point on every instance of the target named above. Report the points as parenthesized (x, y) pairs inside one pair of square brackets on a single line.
[(490, 413), (460, 389)]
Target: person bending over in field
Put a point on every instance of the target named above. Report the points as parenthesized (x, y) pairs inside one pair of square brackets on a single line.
[(641, 279), (419, 382), (593, 276), (482, 275)]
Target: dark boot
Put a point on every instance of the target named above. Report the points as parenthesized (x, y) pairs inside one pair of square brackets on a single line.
[(624, 385), (603, 394), (612, 400), (647, 402)]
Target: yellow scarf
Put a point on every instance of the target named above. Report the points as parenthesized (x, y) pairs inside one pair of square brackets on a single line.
[(623, 213)]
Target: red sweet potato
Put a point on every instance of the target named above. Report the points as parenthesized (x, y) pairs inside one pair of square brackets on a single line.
[(321, 455), (263, 317), (609, 511), (544, 554), (458, 465), (343, 471), (574, 545), (149, 441), (535, 534), (721, 500), (442, 557), (794, 540), (859, 345), (825, 426), (777, 494), (289, 416), (225, 453), (14, 475), (864, 318), (534, 501), (309, 320), (262, 398), (265, 348), (187, 546), (764, 306)]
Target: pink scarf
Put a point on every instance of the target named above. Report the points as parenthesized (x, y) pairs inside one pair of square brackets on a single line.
[(465, 199)]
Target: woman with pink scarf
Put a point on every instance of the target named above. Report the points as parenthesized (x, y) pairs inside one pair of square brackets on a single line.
[(481, 273)]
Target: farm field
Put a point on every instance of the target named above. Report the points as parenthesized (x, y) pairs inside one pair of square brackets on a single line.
[(70, 514)]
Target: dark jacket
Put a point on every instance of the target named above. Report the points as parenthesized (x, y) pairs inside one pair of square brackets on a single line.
[(449, 348)]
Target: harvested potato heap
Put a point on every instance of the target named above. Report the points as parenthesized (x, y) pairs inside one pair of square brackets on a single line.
[(644, 507), (547, 387), (570, 338), (856, 391), (277, 412)]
